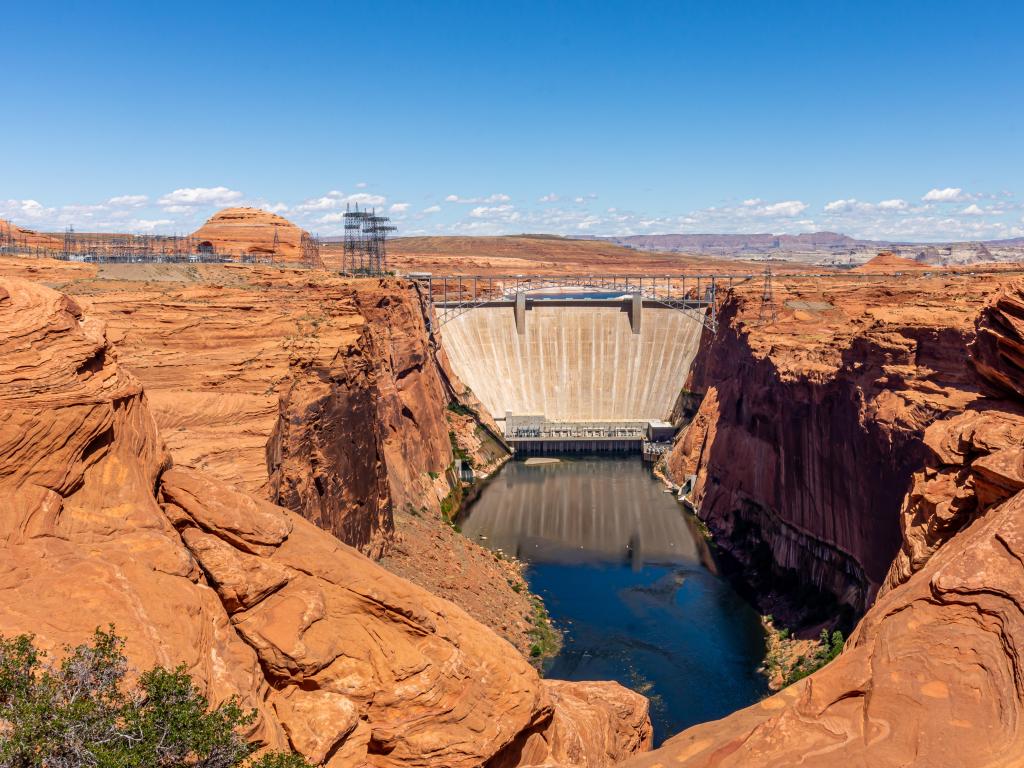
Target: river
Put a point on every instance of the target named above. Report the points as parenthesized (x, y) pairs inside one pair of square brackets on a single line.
[(625, 575)]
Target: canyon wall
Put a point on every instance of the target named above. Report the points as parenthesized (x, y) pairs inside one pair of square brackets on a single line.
[(321, 394), (811, 428), (343, 661), (932, 674), (325, 395)]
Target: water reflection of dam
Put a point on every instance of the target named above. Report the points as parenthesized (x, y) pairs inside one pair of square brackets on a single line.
[(592, 507)]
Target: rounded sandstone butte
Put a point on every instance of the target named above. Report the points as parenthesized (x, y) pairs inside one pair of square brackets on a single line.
[(251, 231)]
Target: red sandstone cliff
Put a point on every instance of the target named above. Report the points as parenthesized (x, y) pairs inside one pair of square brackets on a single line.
[(322, 394), (810, 429), (931, 676), (363, 426), (343, 661)]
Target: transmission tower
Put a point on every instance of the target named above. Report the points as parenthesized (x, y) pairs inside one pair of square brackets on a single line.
[(377, 229), (768, 312), (354, 256), (364, 251)]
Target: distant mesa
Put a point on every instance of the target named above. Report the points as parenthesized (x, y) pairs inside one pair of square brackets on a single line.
[(826, 248), (251, 231), (888, 262)]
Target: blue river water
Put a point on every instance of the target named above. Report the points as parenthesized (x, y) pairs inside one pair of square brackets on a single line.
[(628, 579)]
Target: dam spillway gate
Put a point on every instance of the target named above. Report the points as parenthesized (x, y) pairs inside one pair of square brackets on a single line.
[(576, 363)]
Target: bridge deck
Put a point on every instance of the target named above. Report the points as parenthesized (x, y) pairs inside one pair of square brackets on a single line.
[(453, 295)]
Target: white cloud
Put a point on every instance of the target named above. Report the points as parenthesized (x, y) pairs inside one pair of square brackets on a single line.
[(840, 205), (332, 199), (945, 195), (484, 211), (495, 198), (785, 208), (148, 225), (366, 199), (361, 185), (130, 201), (28, 209), (896, 204), (336, 200), (852, 204), (183, 209), (196, 196)]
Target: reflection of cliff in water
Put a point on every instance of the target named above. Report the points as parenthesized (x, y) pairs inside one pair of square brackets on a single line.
[(581, 509)]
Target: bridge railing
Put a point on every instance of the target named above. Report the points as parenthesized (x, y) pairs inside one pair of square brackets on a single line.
[(454, 295), (571, 431)]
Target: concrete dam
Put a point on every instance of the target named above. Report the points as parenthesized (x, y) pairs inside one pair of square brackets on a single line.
[(578, 369)]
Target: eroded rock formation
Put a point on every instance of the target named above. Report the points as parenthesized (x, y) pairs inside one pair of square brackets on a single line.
[(931, 676), (338, 378), (318, 393), (810, 429), (252, 231), (344, 661)]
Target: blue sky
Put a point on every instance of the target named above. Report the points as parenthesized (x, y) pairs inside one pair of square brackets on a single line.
[(889, 119)]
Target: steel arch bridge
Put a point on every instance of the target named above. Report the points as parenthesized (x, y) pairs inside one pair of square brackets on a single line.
[(454, 295)]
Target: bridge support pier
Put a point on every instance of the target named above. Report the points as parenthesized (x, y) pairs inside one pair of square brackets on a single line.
[(636, 309), (521, 313)]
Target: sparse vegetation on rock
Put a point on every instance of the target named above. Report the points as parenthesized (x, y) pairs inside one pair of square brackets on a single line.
[(82, 711)]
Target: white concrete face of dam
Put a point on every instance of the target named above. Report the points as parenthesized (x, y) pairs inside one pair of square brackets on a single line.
[(574, 362)]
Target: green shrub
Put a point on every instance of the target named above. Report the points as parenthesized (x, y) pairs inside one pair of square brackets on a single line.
[(81, 713), (546, 640), (828, 648)]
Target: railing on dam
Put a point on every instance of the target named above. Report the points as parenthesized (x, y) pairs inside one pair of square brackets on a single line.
[(454, 295), (530, 433), (576, 431)]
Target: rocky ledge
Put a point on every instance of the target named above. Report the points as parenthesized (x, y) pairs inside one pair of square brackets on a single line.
[(931, 675), (324, 395), (344, 662)]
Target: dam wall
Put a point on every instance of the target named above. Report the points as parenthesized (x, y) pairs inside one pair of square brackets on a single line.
[(583, 361)]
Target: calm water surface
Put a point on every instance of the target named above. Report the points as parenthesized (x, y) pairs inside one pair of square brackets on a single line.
[(625, 575)]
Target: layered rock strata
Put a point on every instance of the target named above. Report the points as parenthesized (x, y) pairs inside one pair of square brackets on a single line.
[(323, 394), (931, 676), (343, 661), (811, 428), (252, 231)]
